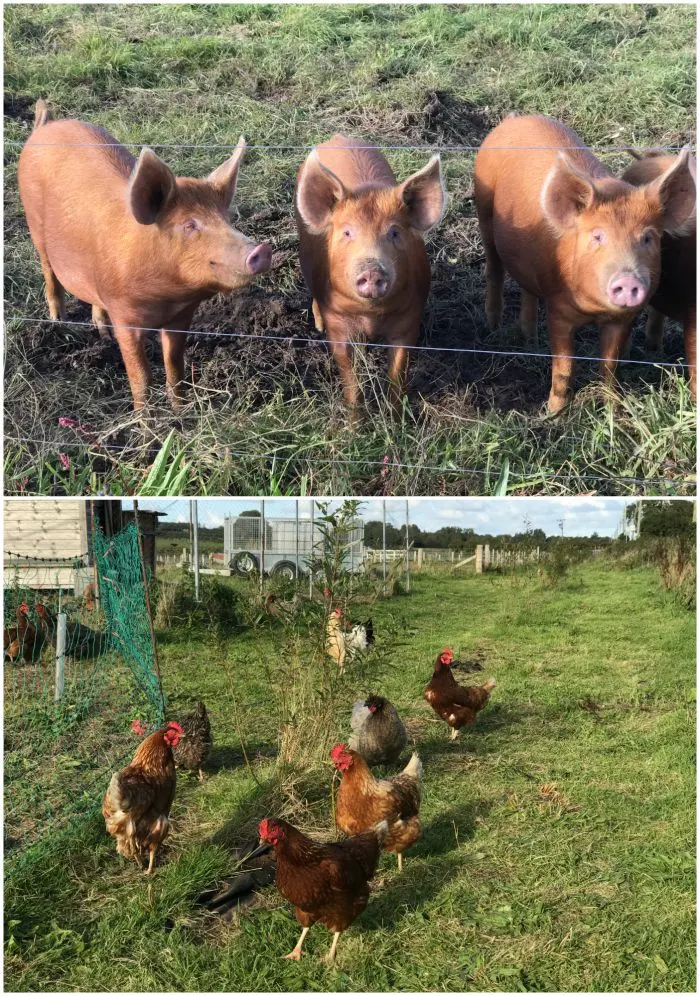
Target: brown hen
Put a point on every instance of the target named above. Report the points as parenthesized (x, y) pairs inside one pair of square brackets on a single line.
[(136, 806), (326, 883), (364, 800), (457, 704)]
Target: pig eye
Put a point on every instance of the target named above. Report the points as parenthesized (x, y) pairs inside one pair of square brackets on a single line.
[(394, 233), (347, 232), (647, 238), (190, 227), (598, 236)]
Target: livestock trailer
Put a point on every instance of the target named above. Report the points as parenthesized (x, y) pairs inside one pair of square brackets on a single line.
[(286, 548)]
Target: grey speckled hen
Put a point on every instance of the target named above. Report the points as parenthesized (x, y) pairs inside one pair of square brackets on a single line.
[(379, 734)]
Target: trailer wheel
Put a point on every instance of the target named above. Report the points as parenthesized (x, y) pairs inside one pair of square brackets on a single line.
[(285, 569), (244, 564)]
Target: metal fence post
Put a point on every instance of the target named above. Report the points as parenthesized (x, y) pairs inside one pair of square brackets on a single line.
[(61, 634), (296, 554), (311, 553), (384, 544), (262, 544), (408, 558), (195, 544)]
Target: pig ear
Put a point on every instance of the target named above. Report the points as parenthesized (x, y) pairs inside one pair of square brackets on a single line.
[(566, 193), (151, 186), (424, 196), (225, 177), (676, 189), (318, 191)]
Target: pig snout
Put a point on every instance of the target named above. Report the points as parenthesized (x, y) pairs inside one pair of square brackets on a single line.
[(258, 261), (627, 290), (372, 281)]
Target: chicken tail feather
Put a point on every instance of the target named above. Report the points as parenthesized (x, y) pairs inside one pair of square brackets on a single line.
[(414, 768)]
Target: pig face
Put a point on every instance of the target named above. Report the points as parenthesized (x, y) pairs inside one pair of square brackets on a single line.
[(192, 227), (373, 232), (613, 230)]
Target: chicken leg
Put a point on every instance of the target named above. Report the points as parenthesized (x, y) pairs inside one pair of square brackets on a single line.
[(400, 857), (152, 857), (330, 957), (295, 955), (453, 734)]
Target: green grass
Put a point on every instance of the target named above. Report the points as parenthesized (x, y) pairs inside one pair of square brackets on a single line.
[(509, 889), (267, 417)]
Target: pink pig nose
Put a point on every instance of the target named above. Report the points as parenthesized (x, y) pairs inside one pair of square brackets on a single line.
[(626, 290), (372, 283), (258, 261)]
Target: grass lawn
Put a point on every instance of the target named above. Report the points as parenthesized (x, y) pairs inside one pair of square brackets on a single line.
[(267, 417), (558, 847)]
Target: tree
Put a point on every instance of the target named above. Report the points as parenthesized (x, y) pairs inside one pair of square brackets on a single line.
[(666, 518)]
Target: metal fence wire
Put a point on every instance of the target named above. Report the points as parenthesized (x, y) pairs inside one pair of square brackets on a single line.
[(79, 667)]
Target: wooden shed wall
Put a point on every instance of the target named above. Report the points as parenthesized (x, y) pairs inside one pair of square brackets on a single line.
[(45, 528)]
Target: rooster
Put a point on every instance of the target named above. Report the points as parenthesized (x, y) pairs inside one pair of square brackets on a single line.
[(136, 806), (380, 736), (363, 800), (344, 644), (192, 751), (327, 883), (456, 704)]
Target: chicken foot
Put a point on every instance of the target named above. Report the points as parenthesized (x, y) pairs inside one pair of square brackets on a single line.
[(453, 734), (295, 955)]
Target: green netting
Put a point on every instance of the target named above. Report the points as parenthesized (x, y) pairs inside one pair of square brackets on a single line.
[(62, 744), (123, 598)]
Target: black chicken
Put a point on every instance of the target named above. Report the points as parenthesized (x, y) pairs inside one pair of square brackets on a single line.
[(193, 749)]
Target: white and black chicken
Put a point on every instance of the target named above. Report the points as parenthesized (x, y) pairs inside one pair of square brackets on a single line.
[(342, 644)]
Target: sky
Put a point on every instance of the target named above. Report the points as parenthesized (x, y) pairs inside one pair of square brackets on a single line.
[(580, 516)]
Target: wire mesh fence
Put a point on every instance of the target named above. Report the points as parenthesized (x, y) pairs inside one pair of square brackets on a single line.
[(78, 667)]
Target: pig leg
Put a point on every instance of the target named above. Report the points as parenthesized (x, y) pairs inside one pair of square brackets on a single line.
[(55, 294), (689, 328), (173, 344), (561, 340), (654, 332), (343, 354), (318, 317), (495, 275), (132, 345), (100, 318), (528, 317), (614, 337), (173, 341), (398, 364)]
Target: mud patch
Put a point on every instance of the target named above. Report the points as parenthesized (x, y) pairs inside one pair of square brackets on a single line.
[(19, 108), (448, 121)]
